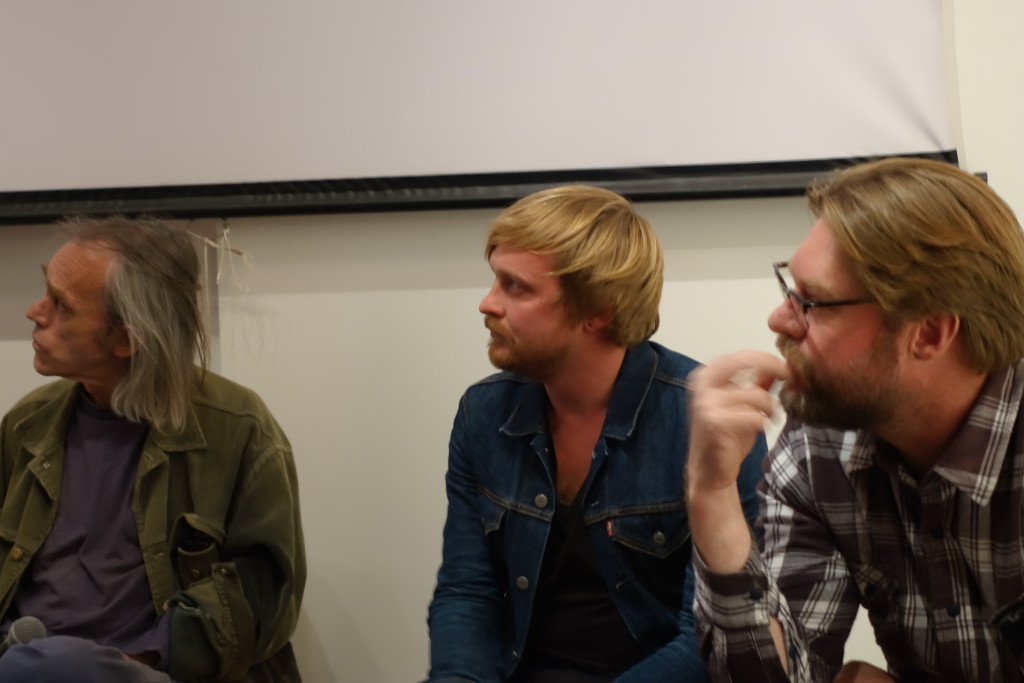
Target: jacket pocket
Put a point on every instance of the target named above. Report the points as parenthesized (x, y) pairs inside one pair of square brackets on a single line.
[(195, 542), (658, 534), (653, 550)]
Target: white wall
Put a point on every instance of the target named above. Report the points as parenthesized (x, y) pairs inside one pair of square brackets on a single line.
[(361, 331)]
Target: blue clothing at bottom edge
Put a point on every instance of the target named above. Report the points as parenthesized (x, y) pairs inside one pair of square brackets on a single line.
[(64, 659), (501, 499)]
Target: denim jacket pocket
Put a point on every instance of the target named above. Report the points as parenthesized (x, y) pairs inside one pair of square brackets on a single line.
[(653, 551), (658, 534)]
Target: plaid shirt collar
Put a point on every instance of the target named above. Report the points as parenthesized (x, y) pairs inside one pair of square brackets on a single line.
[(972, 461)]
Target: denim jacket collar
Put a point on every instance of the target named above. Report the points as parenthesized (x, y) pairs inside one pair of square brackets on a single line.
[(631, 386)]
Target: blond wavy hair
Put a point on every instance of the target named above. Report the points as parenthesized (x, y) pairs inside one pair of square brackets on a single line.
[(605, 254)]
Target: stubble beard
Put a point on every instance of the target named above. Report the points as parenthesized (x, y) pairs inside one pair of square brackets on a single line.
[(538, 362)]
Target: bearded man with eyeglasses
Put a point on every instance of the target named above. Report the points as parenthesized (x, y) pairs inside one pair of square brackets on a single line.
[(898, 481)]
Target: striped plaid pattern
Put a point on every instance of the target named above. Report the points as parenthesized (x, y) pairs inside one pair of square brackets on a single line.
[(844, 523)]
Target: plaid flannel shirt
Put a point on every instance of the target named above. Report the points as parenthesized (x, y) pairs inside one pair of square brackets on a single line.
[(936, 561)]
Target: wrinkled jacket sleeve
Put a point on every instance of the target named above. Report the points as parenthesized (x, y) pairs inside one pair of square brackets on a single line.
[(681, 659), (798, 578), (466, 615), (244, 607)]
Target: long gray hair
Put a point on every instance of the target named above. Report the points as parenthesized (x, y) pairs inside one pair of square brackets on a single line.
[(153, 291)]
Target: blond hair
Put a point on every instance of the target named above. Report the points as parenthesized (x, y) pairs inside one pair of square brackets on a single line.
[(925, 238), (605, 254)]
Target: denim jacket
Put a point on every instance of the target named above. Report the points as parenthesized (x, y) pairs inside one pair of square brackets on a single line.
[(501, 499)]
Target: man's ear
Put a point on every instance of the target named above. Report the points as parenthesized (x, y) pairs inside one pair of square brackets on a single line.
[(122, 342), (933, 336), (598, 322)]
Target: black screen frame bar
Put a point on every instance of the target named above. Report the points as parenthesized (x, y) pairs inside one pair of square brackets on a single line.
[(419, 193)]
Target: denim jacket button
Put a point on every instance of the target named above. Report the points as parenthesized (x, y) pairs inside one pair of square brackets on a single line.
[(659, 538), (522, 583), (541, 500)]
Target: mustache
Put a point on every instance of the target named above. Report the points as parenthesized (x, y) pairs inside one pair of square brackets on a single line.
[(787, 346), (492, 324)]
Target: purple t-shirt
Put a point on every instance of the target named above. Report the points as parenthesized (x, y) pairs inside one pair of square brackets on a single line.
[(88, 578)]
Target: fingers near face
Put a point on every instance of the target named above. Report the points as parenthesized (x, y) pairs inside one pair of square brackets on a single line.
[(743, 368)]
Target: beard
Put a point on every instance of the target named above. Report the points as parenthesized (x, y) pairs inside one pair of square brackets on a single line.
[(536, 360), (863, 395)]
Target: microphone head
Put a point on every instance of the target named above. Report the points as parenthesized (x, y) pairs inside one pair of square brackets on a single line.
[(25, 629)]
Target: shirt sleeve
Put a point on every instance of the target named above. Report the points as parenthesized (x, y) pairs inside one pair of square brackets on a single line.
[(796, 576)]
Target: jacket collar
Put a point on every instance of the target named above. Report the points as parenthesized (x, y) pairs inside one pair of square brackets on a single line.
[(529, 416), (973, 460), (43, 430), (188, 439)]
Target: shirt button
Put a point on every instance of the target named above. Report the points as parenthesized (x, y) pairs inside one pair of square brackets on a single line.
[(937, 532), (953, 610), (659, 538), (756, 594), (541, 500), (46, 465), (17, 554), (522, 583)]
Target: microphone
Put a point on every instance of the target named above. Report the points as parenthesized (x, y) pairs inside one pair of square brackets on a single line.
[(22, 630)]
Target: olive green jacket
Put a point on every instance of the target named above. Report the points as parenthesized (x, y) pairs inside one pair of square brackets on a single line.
[(217, 511)]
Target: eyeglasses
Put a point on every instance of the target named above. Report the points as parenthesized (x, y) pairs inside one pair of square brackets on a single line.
[(800, 305)]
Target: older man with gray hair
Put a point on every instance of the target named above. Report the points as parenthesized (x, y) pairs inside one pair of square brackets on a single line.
[(149, 512)]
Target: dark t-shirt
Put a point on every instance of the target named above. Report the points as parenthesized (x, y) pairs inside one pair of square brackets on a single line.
[(575, 624), (88, 578)]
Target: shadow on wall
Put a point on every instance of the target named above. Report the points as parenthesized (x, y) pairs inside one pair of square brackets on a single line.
[(335, 639)]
